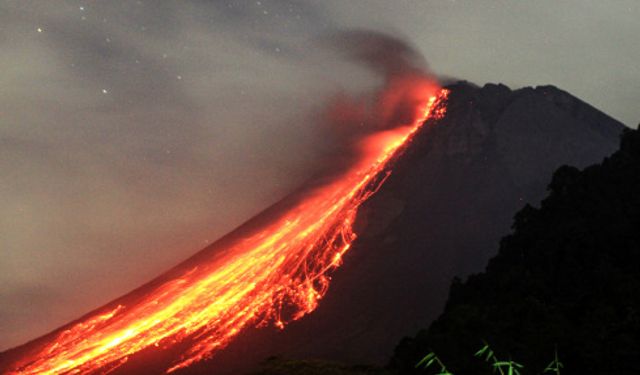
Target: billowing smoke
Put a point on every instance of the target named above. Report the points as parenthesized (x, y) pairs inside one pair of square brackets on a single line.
[(405, 87), (388, 55)]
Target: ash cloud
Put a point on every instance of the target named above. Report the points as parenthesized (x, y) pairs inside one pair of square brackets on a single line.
[(386, 54), (405, 84), (406, 81)]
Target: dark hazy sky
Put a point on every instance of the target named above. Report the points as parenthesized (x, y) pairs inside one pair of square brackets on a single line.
[(132, 133)]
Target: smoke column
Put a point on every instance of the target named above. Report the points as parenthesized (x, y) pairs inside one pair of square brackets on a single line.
[(406, 82)]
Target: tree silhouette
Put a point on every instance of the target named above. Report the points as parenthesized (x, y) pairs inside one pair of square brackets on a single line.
[(567, 277)]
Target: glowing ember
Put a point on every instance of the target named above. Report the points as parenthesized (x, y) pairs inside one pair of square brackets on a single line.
[(284, 264)]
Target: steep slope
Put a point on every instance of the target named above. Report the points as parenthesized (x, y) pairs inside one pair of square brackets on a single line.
[(439, 215), (568, 276)]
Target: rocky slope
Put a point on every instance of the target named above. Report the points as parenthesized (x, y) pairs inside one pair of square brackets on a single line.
[(440, 214)]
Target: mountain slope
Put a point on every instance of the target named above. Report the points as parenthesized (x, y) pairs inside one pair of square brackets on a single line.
[(441, 212), (568, 276), (439, 215)]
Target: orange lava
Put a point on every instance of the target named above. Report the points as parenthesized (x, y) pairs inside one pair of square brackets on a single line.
[(283, 264)]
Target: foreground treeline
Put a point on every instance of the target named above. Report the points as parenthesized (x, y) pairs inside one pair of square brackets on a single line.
[(568, 277), (567, 280)]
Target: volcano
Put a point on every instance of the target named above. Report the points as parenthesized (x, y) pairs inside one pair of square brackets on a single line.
[(439, 214)]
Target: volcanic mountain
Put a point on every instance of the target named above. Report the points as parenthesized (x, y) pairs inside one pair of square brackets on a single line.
[(439, 214)]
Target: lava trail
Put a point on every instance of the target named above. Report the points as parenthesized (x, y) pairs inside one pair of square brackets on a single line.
[(275, 275)]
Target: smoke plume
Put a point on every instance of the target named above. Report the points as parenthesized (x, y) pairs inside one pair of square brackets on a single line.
[(405, 86)]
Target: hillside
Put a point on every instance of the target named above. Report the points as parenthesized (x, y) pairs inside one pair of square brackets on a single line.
[(441, 214), (568, 276)]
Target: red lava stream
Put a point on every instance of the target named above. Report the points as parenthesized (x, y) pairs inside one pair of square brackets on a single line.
[(284, 263)]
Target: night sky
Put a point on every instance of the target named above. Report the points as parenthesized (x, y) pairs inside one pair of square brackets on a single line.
[(133, 133)]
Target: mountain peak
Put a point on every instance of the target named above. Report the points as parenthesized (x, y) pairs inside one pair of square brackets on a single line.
[(528, 129)]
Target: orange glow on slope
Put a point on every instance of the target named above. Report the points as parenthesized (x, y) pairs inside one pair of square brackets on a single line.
[(283, 264)]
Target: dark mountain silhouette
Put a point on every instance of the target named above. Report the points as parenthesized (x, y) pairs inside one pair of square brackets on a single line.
[(440, 214), (568, 276)]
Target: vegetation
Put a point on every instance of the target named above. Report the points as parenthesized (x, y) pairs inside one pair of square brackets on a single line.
[(502, 367), (487, 354), (567, 277), (433, 359)]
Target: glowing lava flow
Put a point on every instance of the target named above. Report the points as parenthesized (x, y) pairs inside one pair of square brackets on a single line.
[(284, 264)]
